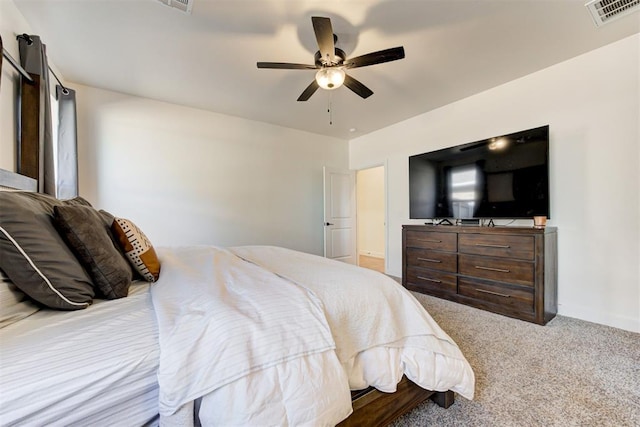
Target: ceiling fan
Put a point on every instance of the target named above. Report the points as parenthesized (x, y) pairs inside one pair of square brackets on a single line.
[(331, 62)]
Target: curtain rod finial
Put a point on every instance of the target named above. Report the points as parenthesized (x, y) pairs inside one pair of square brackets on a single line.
[(26, 38)]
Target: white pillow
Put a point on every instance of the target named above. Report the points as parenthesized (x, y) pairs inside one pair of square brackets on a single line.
[(14, 304)]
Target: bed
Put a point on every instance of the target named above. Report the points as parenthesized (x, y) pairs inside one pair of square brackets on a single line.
[(251, 335)]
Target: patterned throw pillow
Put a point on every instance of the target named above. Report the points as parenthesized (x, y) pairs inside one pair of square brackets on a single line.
[(137, 248)]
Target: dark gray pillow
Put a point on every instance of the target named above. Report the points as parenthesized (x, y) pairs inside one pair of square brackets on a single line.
[(108, 219), (85, 231), (35, 257)]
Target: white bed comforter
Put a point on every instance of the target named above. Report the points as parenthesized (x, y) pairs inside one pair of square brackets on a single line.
[(260, 335), (381, 330), (238, 336)]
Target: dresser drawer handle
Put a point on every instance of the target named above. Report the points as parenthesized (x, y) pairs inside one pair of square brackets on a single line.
[(493, 293), (430, 280), (429, 241), (487, 245), (500, 270), (429, 260)]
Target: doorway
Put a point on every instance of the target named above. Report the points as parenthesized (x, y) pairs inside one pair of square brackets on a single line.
[(371, 218)]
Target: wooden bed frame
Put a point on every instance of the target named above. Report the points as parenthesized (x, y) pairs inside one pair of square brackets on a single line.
[(373, 408)]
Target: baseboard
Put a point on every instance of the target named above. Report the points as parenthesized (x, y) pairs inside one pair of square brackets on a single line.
[(607, 319), (372, 254)]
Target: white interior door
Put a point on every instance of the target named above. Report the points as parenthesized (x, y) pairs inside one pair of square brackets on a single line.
[(340, 215)]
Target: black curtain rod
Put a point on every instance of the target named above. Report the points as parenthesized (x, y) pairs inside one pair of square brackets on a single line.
[(64, 89), (22, 71), (16, 66)]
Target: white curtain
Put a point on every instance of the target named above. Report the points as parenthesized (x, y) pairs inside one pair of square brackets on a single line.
[(66, 153)]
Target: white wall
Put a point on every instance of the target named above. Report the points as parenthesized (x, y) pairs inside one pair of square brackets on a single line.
[(11, 23), (592, 105), (188, 176), (370, 200)]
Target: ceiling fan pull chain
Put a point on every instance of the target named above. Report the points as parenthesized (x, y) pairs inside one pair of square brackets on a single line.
[(330, 110)]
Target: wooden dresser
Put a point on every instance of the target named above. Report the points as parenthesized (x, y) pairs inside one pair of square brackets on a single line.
[(506, 270)]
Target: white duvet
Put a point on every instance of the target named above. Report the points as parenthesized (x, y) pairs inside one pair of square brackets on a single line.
[(254, 348), (269, 336), (381, 330)]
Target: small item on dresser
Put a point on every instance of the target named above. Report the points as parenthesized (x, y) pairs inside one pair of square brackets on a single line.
[(540, 221)]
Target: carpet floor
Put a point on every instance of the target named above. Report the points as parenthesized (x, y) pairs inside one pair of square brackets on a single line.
[(567, 373)]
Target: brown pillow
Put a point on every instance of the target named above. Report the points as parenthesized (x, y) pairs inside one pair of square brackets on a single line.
[(88, 237), (34, 255), (137, 248)]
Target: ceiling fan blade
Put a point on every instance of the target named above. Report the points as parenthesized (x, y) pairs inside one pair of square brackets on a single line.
[(324, 36), (357, 87), (286, 66), (310, 90), (378, 57)]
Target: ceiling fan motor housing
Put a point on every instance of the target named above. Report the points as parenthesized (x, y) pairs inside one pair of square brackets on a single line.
[(340, 57)]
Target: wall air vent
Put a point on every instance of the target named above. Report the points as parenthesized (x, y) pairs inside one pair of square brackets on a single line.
[(605, 11), (183, 5)]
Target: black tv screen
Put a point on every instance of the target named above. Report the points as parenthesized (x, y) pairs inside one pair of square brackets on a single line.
[(502, 177)]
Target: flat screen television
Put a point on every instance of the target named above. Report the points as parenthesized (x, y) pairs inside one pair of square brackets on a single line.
[(502, 177)]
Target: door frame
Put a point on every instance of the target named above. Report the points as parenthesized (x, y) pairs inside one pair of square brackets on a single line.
[(385, 165)]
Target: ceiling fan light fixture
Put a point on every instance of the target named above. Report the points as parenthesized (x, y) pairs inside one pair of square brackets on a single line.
[(330, 78)]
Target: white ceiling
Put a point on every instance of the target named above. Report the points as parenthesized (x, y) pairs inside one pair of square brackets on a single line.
[(207, 60)]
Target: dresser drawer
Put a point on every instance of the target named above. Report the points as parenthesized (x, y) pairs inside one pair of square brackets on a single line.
[(443, 261), (497, 245), (432, 240), (508, 298), (431, 281), (501, 269)]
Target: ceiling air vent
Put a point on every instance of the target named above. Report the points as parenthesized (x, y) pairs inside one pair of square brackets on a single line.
[(183, 5), (605, 11)]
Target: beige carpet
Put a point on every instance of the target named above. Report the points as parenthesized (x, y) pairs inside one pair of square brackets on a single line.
[(567, 373)]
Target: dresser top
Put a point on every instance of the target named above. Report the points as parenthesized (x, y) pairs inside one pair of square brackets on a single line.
[(474, 229)]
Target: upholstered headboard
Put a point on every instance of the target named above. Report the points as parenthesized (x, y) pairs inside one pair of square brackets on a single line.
[(16, 181)]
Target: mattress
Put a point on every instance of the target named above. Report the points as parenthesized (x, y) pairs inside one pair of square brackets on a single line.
[(91, 367)]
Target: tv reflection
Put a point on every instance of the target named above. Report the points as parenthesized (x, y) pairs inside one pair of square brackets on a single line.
[(464, 190)]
